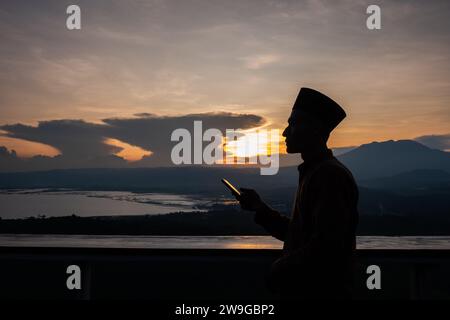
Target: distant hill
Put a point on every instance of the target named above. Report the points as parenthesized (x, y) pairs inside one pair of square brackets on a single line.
[(218, 222), (423, 181), (395, 177), (388, 158), (185, 179), (380, 203), (377, 160)]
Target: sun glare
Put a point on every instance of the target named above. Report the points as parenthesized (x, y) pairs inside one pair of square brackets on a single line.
[(252, 144)]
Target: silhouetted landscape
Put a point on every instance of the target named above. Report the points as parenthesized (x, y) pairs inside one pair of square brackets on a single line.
[(404, 190), (127, 128), (214, 222)]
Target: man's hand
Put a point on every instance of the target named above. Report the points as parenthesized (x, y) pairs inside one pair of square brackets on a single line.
[(250, 200)]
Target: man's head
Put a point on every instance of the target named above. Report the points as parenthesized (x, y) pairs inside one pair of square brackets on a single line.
[(312, 119)]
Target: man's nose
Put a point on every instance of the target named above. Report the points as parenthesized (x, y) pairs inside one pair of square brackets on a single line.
[(285, 132)]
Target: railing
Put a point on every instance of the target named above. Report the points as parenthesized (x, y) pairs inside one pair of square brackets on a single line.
[(202, 273)]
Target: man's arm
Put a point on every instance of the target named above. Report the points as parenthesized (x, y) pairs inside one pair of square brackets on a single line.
[(274, 222), (331, 193)]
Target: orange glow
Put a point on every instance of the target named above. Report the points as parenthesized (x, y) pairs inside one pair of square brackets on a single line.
[(28, 149), (129, 152), (253, 245), (253, 143)]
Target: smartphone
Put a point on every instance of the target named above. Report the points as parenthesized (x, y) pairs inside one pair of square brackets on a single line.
[(233, 190)]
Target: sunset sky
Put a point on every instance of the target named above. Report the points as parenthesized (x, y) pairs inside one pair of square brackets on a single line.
[(137, 61)]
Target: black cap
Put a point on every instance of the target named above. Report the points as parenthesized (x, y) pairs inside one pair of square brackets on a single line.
[(320, 106)]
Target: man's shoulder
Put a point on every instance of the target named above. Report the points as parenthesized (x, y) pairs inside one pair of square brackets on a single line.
[(332, 168)]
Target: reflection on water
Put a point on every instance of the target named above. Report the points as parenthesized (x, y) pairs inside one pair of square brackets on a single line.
[(26, 203), (205, 242)]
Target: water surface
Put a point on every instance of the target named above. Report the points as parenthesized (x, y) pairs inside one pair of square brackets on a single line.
[(27, 203), (205, 242)]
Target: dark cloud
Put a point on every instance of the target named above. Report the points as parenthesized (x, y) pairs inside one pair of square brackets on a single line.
[(82, 144), (153, 132), (441, 142), (74, 138), (6, 154), (9, 160)]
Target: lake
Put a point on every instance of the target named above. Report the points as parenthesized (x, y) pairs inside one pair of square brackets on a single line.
[(205, 242), (26, 203), (63, 202)]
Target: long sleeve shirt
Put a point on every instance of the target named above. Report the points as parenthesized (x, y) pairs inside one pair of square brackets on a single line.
[(322, 227)]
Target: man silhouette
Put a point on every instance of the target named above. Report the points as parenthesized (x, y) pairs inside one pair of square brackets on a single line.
[(319, 238)]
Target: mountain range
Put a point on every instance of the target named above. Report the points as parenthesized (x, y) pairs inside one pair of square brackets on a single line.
[(377, 164), (389, 158), (402, 179)]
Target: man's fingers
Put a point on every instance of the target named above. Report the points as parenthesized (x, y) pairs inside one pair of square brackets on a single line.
[(236, 195), (248, 191)]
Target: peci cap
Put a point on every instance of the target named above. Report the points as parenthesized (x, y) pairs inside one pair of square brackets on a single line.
[(320, 106)]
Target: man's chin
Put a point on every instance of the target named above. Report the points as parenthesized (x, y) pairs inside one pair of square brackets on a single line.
[(292, 150)]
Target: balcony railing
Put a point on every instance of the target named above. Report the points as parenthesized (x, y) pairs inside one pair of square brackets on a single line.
[(38, 272)]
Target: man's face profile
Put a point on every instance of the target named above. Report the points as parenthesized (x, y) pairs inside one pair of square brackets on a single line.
[(301, 133)]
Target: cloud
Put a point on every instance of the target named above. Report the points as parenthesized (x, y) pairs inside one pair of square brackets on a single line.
[(6, 154), (74, 138), (85, 144), (441, 142), (260, 61), (185, 56), (152, 133)]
